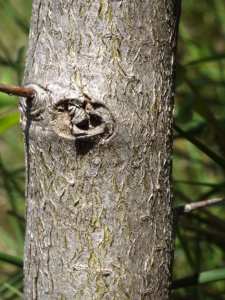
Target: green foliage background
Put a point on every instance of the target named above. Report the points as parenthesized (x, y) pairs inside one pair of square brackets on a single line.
[(199, 149)]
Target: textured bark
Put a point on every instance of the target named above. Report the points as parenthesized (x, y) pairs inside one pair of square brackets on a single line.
[(99, 203)]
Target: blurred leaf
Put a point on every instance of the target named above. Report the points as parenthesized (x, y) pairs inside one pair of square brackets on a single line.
[(13, 199), (8, 121), (222, 185), (6, 100), (8, 241), (17, 261), (201, 146), (199, 278), (185, 246), (18, 278), (180, 75), (14, 290), (20, 64), (7, 75), (14, 15), (20, 54), (203, 110), (185, 111), (214, 57), (8, 61)]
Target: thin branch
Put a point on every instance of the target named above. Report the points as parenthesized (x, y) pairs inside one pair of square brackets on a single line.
[(216, 236), (180, 210), (16, 90)]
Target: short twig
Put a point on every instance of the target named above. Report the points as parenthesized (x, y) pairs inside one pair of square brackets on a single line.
[(180, 210), (16, 90)]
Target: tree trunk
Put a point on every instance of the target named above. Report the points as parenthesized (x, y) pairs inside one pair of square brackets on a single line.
[(98, 138)]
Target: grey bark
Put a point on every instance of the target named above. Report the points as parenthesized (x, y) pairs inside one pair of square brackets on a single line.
[(98, 138)]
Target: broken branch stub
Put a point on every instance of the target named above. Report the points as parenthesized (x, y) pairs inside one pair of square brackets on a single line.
[(16, 90), (71, 114)]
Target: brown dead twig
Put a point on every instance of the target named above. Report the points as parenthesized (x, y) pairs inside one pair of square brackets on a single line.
[(16, 90)]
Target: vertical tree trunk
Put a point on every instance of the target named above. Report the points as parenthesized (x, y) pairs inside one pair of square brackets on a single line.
[(98, 138)]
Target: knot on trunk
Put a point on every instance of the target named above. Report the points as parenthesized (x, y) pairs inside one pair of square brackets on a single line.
[(70, 113), (84, 118)]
